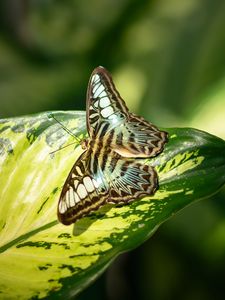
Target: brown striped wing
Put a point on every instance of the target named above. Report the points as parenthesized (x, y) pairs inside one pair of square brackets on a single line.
[(128, 179), (138, 138), (106, 112), (104, 104), (84, 191)]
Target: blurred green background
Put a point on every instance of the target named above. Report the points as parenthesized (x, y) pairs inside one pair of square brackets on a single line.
[(168, 61)]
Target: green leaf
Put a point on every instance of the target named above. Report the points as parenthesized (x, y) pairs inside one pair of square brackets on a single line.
[(43, 258)]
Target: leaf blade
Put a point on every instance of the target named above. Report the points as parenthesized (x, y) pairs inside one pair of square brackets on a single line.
[(62, 260)]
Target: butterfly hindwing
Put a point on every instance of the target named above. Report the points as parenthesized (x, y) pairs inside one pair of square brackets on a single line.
[(131, 180), (139, 138)]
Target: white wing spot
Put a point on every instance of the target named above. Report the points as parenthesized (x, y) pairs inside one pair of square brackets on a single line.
[(99, 90), (96, 87), (88, 184), (76, 183), (107, 112), (103, 94), (77, 199), (81, 191), (96, 104), (62, 207), (93, 115), (78, 170), (95, 78), (72, 200), (104, 102), (96, 183), (67, 199)]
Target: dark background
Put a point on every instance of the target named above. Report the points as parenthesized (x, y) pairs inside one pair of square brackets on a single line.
[(168, 61)]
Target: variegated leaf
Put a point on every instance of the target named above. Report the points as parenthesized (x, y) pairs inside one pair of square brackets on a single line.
[(41, 258)]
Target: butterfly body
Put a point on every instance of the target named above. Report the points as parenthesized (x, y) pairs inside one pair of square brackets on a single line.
[(108, 171)]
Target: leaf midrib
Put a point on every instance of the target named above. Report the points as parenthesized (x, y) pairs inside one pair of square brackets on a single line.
[(27, 235)]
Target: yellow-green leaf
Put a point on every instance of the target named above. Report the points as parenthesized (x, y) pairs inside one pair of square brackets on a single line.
[(42, 258)]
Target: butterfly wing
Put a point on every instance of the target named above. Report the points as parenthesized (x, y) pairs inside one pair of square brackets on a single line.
[(132, 136), (105, 107), (84, 191), (128, 179), (138, 138)]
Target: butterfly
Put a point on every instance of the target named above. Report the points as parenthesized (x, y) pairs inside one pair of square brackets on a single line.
[(108, 171)]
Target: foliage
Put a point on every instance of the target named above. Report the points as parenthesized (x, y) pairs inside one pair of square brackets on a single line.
[(42, 258)]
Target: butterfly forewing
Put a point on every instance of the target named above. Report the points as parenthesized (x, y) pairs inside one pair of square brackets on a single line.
[(108, 171), (104, 104), (82, 192)]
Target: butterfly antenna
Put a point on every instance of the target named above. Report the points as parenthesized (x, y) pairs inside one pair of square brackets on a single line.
[(51, 116), (62, 148)]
